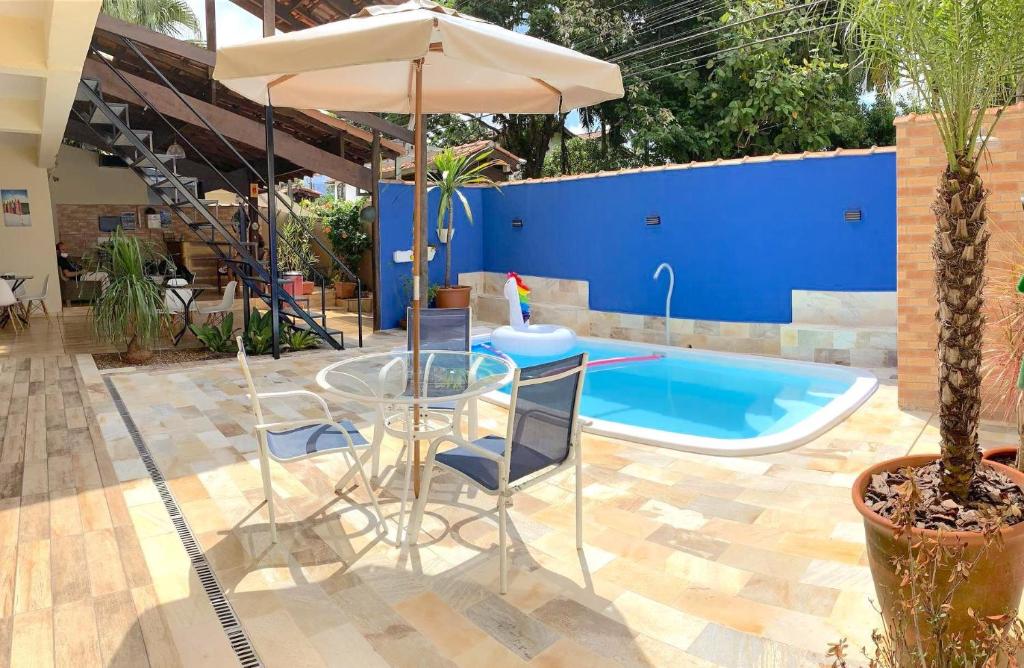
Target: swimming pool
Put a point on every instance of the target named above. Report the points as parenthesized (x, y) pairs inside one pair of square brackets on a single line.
[(709, 402)]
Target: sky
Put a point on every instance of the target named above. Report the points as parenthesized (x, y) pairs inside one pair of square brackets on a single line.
[(234, 24)]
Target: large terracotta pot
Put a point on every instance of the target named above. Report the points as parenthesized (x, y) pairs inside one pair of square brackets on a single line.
[(995, 584), (1001, 454), (344, 290), (307, 287), (456, 296)]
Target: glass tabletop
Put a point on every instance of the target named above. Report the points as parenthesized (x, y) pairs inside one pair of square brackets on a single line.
[(444, 375)]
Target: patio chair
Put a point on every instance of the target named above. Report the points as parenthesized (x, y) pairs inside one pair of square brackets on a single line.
[(35, 301), (292, 440), (9, 306), (217, 312), (542, 440), (440, 329)]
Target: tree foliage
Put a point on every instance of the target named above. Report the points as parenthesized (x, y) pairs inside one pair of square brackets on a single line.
[(171, 17)]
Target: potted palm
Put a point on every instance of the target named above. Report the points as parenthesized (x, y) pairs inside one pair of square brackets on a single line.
[(964, 60), (452, 173), (295, 257), (127, 311), (344, 229)]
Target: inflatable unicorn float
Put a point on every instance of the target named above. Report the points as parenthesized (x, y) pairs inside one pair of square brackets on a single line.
[(519, 337)]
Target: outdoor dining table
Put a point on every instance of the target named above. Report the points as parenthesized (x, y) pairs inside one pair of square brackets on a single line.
[(186, 304), (415, 407), (15, 281)]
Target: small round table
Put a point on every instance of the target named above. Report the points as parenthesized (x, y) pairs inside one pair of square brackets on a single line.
[(416, 403)]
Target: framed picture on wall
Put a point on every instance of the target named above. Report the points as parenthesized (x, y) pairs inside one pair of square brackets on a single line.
[(16, 208)]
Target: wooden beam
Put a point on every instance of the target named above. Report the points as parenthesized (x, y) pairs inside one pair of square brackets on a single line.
[(387, 146), (231, 125), (156, 40), (211, 43), (375, 122), (269, 17)]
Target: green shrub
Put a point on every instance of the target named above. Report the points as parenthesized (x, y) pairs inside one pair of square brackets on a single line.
[(259, 335), (300, 339), (217, 338), (341, 224)]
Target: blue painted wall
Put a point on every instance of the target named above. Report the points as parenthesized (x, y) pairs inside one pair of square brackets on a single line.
[(740, 238), (396, 201)]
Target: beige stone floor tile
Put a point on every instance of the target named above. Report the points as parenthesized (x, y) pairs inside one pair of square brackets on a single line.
[(32, 582), (75, 637), (32, 639)]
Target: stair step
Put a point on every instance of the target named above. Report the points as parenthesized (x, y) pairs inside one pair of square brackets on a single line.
[(305, 325), (145, 136), (91, 83), (147, 160), (100, 118)]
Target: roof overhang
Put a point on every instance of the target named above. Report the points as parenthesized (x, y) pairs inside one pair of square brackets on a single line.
[(41, 58)]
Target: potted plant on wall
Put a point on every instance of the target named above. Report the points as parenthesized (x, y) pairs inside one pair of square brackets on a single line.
[(964, 60), (127, 311), (349, 240), (452, 173)]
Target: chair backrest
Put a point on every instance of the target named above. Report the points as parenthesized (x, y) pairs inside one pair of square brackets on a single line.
[(46, 284), (7, 297), (543, 412), (442, 328), (243, 361), (228, 300), (176, 304)]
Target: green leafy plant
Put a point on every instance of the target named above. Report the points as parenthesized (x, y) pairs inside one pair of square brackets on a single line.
[(964, 59), (127, 311), (452, 173), (217, 338), (341, 224), (259, 335), (299, 339), (295, 252)]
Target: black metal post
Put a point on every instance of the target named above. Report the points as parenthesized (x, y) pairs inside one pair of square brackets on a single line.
[(243, 238), (275, 287)]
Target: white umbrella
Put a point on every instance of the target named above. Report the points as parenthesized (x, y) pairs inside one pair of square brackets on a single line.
[(416, 58)]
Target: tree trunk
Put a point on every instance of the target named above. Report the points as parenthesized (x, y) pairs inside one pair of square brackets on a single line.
[(960, 248), (136, 354), (448, 248)]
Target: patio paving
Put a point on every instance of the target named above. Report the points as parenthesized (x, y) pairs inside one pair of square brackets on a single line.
[(689, 561)]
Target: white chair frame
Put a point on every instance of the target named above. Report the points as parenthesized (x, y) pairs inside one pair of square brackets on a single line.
[(223, 307), (35, 301), (505, 490), (265, 455)]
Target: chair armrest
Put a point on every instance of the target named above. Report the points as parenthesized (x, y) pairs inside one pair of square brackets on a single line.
[(288, 424), (583, 422), (299, 393), (466, 444)]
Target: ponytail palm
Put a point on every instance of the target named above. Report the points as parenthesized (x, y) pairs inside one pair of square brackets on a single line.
[(127, 311), (451, 173), (964, 59)]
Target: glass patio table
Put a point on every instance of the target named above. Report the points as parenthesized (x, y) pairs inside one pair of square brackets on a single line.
[(415, 406)]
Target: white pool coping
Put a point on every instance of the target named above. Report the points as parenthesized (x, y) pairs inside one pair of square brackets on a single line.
[(862, 385)]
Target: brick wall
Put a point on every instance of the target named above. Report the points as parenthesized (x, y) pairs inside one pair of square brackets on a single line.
[(78, 224), (919, 162)]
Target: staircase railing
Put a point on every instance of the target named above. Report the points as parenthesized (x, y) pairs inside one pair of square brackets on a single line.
[(247, 259), (324, 248)]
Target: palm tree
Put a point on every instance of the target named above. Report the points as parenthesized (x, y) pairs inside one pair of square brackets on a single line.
[(451, 173), (171, 17), (965, 59)]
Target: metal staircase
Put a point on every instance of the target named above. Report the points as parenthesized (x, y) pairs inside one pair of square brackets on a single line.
[(110, 123)]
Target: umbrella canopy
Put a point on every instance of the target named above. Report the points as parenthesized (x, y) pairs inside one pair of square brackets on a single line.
[(364, 64)]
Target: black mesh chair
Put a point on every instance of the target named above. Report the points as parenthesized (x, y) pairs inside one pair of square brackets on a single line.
[(542, 439), (440, 329)]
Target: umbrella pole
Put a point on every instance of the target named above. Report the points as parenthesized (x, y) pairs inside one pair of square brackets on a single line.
[(417, 262)]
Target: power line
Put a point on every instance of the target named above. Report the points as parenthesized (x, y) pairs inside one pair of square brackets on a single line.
[(692, 36), (666, 13)]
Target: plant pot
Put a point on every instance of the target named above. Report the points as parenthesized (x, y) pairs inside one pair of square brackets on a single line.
[(403, 324), (136, 354), (456, 296), (443, 237), (994, 585), (307, 287), (344, 290), (1004, 454)]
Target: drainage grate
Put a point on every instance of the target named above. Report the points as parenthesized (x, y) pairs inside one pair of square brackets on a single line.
[(239, 641)]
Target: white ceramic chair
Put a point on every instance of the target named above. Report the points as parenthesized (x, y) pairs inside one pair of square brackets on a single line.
[(292, 440), (35, 301), (9, 306), (217, 312), (542, 440)]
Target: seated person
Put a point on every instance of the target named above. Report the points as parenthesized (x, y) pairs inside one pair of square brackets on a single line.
[(69, 271)]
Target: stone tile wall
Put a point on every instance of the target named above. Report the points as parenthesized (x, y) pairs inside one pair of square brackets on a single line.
[(835, 334)]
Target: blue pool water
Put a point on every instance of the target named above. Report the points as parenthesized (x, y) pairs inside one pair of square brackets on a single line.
[(708, 396)]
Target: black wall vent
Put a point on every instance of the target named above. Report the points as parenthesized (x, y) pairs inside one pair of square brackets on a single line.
[(517, 222), (651, 221), (852, 215)]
